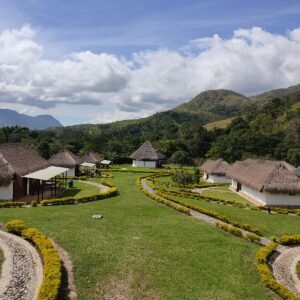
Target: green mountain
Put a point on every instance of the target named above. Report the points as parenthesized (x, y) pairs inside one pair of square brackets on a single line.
[(216, 104)]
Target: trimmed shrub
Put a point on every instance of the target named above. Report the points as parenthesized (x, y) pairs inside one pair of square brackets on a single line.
[(252, 237), (51, 263), (11, 204), (33, 204), (235, 231), (262, 257), (16, 226), (289, 239)]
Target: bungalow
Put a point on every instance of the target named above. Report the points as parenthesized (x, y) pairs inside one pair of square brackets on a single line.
[(215, 171), (297, 171), (24, 172), (92, 158), (147, 156), (66, 159), (271, 183)]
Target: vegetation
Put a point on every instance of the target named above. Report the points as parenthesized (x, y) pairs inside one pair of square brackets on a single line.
[(184, 177), (1, 260), (143, 250), (51, 261), (218, 124), (267, 129)]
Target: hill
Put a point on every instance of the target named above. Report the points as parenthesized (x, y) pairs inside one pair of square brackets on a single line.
[(10, 117), (216, 104)]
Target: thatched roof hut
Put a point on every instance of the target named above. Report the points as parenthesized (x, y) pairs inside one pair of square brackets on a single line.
[(147, 152), (19, 160), (217, 167), (92, 157), (65, 159), (297, 171), (265, 175)]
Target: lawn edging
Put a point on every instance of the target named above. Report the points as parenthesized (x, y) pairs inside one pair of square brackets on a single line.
[(52, 266)]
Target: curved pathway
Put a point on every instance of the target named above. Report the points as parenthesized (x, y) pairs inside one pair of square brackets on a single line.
[(22, 271), (285, 268), (285, 264), (103, 188)]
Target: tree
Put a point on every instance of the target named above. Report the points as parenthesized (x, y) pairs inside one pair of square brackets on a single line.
[(181, 157), (183, 177)]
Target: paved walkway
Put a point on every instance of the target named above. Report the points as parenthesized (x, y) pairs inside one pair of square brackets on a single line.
[(22, 271), (284, 266), (103, 188)]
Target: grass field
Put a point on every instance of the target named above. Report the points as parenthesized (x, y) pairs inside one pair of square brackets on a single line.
[(80, 189), (225, 193), (143, 250)]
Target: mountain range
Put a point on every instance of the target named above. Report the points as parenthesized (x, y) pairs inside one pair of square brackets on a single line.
[(10, 117)]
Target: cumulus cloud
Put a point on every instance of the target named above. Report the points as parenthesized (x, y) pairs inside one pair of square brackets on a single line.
[(251, 61)]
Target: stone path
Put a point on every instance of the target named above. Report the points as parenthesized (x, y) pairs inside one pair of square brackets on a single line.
[(284, 266), (22, 271), (103, 188)]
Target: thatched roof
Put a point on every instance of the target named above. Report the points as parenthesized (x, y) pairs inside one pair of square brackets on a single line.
[(297, 171), (217, 167), (147, 152), (91, 157), (18, 159), (65, 159), (266, 175)]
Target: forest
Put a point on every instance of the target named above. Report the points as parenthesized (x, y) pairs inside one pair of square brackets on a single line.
[(270, 130)]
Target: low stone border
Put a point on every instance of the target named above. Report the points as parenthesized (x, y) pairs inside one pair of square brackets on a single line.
[(22, 270)]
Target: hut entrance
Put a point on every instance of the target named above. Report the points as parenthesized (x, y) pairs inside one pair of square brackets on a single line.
[(238, 186)]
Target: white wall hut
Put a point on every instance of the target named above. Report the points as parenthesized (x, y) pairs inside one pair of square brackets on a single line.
[(92, 158), (147, 156), (66, 159), (270, 183), (16, 161), (215, 171)]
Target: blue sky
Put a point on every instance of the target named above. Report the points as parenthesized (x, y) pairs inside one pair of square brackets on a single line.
[(154, 31)]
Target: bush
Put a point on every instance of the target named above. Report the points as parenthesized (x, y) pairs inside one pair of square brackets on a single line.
[(289, 239), (16, 226), (262, 257), (11, 204), (51, 263), (252, 237), (33, 204), (235, 231)]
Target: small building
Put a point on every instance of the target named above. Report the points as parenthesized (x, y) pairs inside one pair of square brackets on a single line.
[(88, 168), (147, 156), (66, 159), (104, 164), (270, 183), (92, 158), (23, 172), (215, 171)]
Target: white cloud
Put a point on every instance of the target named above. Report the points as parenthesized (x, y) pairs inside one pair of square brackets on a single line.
[(251, 61)]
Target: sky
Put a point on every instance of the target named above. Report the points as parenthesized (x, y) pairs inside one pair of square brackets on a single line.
[(101, 61)]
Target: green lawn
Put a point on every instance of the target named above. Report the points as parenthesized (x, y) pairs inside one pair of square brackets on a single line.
[(80, 189), (270, 225), (225, 193), (143, 250)]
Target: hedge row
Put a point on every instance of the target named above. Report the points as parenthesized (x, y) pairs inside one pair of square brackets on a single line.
[(161, 200), (209, 199), (51, 261), (262, 257), (70, 200), (11, 204), (289, 239), (212, 214)]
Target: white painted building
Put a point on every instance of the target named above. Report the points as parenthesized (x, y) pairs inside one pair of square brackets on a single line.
[(147, 156), (270, 183), (214, 171), (7, 192)]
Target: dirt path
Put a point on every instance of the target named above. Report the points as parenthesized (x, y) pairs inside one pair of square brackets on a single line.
[(103, 188), (22, 270), (284, 266)]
